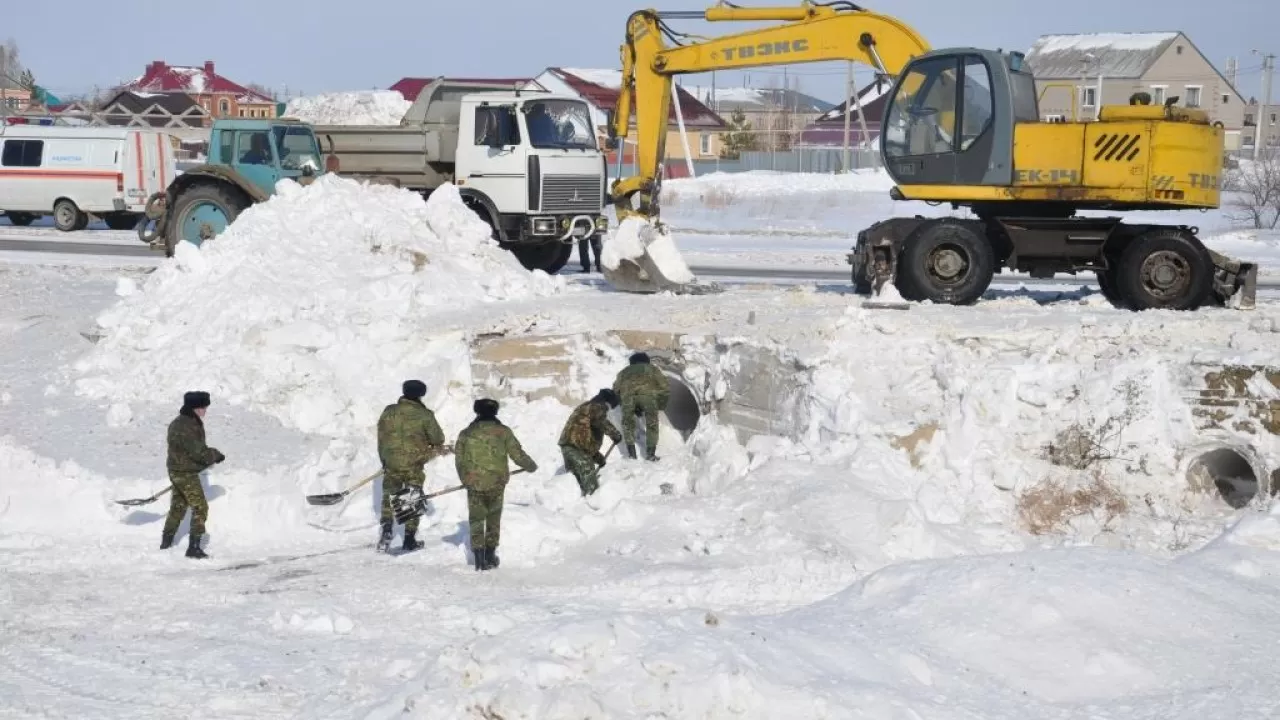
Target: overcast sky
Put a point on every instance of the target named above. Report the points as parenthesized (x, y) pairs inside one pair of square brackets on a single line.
[(330, 45)]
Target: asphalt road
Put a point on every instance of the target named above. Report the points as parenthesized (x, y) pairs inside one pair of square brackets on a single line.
[(76, 248)]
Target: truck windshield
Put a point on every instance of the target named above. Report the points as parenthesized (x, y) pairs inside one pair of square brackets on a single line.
[(297, 148), (559, 124)]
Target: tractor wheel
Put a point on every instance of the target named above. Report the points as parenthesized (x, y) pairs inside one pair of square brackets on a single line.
[(201, 213), (1165, 269), (946, 261), (20, 219), (67, 217)]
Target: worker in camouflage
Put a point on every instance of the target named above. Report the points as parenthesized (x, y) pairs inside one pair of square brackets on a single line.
[(408, 438), (643, 390), (582, 435), (188, 456), (481, 453)]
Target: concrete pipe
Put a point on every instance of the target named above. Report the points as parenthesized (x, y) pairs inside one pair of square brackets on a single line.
[(1226, 470)]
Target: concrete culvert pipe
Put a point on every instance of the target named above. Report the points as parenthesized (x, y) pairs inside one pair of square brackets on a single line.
[(1226, 471), (682, 411)]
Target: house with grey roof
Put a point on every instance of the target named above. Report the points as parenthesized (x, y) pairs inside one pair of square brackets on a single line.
[(776, 115), (1076, 74)]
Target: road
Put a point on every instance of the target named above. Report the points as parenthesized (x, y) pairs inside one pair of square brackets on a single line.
[(726, 274)]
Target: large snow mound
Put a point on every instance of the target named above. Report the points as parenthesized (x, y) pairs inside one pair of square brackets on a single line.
[(368, 107), (309, 304)]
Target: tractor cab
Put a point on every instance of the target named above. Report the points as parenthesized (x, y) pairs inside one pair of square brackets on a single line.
[(265, 151)]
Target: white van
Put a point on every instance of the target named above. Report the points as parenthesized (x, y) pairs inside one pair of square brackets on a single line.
[(73, 173)]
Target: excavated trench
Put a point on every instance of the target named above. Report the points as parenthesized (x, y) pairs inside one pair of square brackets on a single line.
[(756, 391)]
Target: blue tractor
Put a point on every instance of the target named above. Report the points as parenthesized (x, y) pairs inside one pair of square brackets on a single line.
[(245, 161)]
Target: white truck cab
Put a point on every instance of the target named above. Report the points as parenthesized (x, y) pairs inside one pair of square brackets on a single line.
[(527, 162)]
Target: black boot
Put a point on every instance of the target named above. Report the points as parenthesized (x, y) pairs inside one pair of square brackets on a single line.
[(193, 548), (631, 450), (491, 556), (166, 541), (384, 539), (410, 542), (481, 556)]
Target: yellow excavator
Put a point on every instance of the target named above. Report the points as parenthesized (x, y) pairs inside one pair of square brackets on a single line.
[(962, 126)]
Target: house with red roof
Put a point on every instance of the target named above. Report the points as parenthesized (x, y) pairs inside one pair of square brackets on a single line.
[(600, 89), (220, 97)]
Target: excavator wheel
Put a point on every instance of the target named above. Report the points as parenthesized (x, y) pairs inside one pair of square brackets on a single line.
[(1165, 269), (946, 261)]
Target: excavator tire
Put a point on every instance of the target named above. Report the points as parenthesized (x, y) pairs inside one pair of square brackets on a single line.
[(1165, 269), (946, 261)]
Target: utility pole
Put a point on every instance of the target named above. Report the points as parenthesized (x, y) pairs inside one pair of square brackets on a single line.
[(1268, 69), (848, 102)]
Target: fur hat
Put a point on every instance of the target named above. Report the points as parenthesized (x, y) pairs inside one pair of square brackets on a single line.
[(414, 389), (639, 357), (607, 396), (196, 399), (485, 408)]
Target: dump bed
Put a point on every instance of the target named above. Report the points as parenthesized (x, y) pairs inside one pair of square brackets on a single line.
[(419, 152)]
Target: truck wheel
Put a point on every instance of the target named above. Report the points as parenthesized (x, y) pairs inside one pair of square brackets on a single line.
[(201, 213), (542, 256), (1165, 269), (20, 219), (67, 217), (121, 221), (945, 261), (561, 259), (1107, 282)]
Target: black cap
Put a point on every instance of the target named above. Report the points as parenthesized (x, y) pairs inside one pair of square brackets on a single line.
[(414, 389), (196, 399), (486, 408), (606, 396), (639, 357)]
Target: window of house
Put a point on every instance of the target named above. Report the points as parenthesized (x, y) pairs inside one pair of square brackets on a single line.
[(224, 106), (241, 112), (1246, 139), (704, 143), (1248, 118), (1273, 118), (1089, 96), (1158, 94), (1193, 96), (1055, 118), (1225, 98), (22, 153)]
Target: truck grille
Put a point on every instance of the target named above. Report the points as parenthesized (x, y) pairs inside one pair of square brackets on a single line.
[(571, 193)]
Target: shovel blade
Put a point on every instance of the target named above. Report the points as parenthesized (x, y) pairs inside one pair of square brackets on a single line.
[(326, 499), (136, 502)]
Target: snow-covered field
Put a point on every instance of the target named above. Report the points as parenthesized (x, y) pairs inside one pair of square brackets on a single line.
[(875, 559)]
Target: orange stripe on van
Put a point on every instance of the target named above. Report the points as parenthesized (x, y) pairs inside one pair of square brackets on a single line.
[(137, 139), (160, 158), (77, 174)]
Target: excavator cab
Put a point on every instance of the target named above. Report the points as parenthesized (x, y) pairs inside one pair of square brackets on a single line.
[(950, 118)]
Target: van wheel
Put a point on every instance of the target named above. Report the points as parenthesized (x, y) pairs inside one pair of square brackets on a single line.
[(69, 218), (121, 221), (201, 213), (20, 219)]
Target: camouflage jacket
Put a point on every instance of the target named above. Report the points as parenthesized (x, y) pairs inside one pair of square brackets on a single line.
[(481, 454), (408, 435), (188, 453), (642, 380), (587, 427)]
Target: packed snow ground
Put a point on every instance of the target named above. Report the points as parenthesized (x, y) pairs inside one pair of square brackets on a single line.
[(831, 573)]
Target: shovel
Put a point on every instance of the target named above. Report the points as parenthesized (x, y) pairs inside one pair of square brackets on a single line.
[(144, 501), (335, 498)]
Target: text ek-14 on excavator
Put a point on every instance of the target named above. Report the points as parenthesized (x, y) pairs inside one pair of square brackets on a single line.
[(963, 127)]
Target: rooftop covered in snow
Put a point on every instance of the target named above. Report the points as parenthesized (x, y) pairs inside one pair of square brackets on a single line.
[(160, 77), (1113, 55)]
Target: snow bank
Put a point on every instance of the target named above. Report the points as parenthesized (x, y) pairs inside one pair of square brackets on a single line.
[(311, 304), (1049, 634), (41, 498), (366, 107)]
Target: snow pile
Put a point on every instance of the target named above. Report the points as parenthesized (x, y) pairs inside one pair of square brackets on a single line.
[(1049, 634), (41, 498), (366, 107), (310, 304)]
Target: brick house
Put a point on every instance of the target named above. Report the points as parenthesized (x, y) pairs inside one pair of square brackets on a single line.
[(600, 88), (220, 97), (1117, 65)]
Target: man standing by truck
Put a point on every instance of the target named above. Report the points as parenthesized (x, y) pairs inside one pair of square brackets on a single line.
[(189, 456), (408, 438), (582, 435), (644, 391), (481, 455)]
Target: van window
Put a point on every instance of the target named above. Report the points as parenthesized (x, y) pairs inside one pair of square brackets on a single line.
[(22, 153)]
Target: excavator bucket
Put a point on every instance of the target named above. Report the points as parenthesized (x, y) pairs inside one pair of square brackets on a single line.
[(641, 257), (1235, 283)]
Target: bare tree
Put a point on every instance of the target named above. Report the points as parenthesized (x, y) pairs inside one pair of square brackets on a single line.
[(1257, 187)]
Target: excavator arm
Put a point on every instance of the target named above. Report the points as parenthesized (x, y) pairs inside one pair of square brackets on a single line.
[(811, 32)]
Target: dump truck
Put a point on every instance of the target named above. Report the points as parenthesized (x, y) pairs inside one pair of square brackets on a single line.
[(527, 162)]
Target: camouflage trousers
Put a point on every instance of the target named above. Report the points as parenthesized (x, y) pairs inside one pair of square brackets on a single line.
[(583, 466), (648, 405), (393, 481), (187, 493), (484, 513)]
